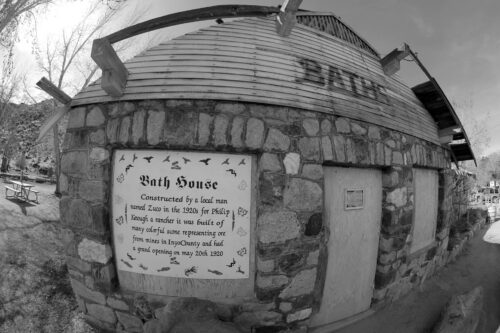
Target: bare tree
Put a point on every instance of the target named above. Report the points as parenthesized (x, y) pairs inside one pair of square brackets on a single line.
[(69, 57), (12, 13), (474, 125), (9, 88)]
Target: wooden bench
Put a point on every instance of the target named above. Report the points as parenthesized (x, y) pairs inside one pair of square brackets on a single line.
[(36, 194), (16, 192)]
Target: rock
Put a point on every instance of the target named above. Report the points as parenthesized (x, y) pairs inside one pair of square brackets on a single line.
[(102, 313), (302, 284), (312, 171), (326, 145), (180, 127), (301, 194), (314, 225), (156, 121), (76, 118), (189, 315), (138, 126), (358, 129), (374, 133), (131, 323), (397, 158), (265, 266), (95, 117), (93, 251), (220, 127), (278, 226), (299, 315), (311, 126), (99, 154), (270, 162), (342, 125), (462, 313), (82, 291), (312, 258), (286, 306), (112, 129), (276, 141), (237, 132), (292, 163), (339, 145), (117, 304), (271, 281), (255, 133), (74, 163), (247, 320), (310, 148), (397, 197), (123, 134), (92, 190), (326, 126), (204, 128), (291, 262), (76, 213), (97, 137)]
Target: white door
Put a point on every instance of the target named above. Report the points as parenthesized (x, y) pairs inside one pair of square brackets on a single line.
[(353, 210)]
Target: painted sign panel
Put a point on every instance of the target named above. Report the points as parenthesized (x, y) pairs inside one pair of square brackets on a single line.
[(182, 214), (353, 199)]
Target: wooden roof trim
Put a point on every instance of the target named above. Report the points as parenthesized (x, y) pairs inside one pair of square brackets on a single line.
[(286, 19), (193, 15), (447, 103), (348, 27), (114, 72)]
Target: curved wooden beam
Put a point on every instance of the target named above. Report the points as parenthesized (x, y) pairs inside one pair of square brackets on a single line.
[(114, 78), (188, 16)]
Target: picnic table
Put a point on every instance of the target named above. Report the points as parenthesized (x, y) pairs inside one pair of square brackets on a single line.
[(20, 191)]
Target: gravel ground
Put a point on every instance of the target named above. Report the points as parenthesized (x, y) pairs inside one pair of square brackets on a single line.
[(417, 312), (35, 293)]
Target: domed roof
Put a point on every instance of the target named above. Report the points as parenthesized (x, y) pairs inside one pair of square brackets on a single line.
[(322, 66)]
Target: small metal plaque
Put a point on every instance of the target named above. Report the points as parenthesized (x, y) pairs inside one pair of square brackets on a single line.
[(353, 199)]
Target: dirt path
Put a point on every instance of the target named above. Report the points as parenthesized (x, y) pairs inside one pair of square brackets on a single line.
[(35, 294), (418, 311)]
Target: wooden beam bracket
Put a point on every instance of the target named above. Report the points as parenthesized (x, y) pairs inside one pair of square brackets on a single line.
[(449, 130), (59, 96), (114, 72), (391, 63), (286, 18), (53, 91)]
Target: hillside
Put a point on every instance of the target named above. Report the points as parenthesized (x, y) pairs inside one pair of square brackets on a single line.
[(19, 130)]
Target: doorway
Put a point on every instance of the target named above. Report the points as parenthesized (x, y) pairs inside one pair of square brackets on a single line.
[(353, 208)]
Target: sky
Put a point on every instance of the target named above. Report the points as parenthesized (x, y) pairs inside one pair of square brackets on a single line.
[(457, 40)]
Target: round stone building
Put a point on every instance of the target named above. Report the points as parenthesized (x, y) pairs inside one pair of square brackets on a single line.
[(257, 183)]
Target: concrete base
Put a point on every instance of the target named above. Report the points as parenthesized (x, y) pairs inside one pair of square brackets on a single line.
[(332, 327)]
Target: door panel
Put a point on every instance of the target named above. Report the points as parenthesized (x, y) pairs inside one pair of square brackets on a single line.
[(354, 220), (426, 207)]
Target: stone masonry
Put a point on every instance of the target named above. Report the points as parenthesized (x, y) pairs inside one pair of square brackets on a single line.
[(291, 147)]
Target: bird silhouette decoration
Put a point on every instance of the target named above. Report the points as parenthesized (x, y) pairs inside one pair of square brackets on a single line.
[(206, 160)]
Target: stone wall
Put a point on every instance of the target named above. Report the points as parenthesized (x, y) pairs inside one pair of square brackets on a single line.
[(291, 147)]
